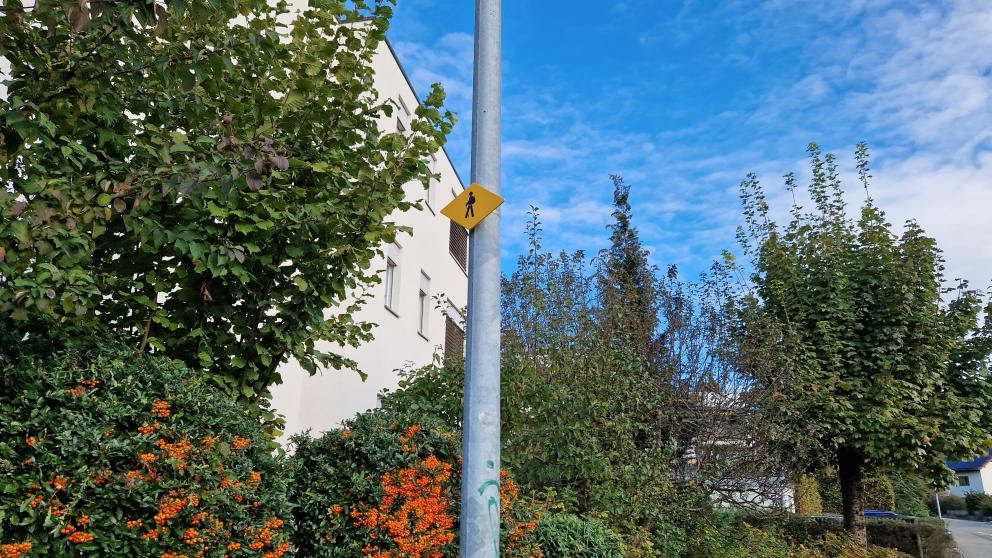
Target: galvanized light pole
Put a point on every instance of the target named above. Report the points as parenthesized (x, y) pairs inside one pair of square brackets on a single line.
[(479, 530)]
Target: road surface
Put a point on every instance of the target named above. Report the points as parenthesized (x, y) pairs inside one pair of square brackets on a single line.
[(974, 538)]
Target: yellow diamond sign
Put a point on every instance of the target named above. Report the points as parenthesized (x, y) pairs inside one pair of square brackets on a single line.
[(472, 206)]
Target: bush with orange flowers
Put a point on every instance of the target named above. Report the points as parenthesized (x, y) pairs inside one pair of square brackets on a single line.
[(108, 452), (387, 486)]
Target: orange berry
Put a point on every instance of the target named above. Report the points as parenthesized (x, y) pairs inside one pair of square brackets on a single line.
[(161, 409), (80, 537)]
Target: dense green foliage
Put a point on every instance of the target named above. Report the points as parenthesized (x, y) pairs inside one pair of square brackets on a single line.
[(199, 176), (579, 410), (107, 452), (977, 502), (882, 374), (732, 535), (910, 494), (808, 499), (628, 431), (567, 536), (335, 474), (927, 537), (878, 491), (879, 494), (387, 484)]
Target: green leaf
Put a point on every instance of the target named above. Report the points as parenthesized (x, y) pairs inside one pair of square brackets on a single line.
[(301, 283)]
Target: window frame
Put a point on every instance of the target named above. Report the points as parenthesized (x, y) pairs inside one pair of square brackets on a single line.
[(389, 282), (423, 306)]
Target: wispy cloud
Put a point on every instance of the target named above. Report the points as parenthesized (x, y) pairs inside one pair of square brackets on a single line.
[(717, 91)]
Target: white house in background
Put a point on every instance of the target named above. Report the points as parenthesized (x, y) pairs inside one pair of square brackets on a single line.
[(418, 269), (973, 475)]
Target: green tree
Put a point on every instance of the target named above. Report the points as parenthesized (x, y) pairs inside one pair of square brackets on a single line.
[(911, 494), (626, 284), (200, 177), (879, 493), (808, 500), (882, 374)]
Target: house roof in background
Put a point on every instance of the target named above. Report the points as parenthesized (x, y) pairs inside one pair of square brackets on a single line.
[(970, 465)]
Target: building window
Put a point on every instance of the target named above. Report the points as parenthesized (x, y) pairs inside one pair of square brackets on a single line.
[(391, 277), (454, 339), (964, 480), (403, 105), (458, 244), (424, 304), (389, 280), (399, 126)]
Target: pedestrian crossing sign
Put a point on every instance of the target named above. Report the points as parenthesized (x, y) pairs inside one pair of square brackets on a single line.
[(473, 205)]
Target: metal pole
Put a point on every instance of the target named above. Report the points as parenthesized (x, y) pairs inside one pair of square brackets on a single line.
[(936, 497), (479, 527)]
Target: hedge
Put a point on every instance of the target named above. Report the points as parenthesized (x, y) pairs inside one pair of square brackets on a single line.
[(923, 538)]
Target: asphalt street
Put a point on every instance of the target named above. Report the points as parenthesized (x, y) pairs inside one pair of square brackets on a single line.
[(974, 538)]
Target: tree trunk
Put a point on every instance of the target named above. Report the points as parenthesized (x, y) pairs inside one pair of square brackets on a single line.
[(852, 494)]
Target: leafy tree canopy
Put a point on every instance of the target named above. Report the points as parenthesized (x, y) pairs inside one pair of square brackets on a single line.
[(882, 373), (201, 176)]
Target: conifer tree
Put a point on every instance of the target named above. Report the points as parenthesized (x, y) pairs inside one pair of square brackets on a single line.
[(627, 284)]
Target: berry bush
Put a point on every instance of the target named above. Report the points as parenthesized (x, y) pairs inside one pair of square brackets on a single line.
[(108, 452), (387, 486)]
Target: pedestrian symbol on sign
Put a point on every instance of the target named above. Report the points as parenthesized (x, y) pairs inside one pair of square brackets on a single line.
[(469, 210)]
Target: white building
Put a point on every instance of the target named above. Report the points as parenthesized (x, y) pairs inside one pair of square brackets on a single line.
[(418, 306), (974, 475)]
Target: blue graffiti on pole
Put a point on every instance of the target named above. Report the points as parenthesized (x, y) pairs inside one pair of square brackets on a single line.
[(493, 506)]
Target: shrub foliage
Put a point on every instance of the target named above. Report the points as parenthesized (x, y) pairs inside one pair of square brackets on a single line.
[(566, 535), (386, 485), (106, 452)]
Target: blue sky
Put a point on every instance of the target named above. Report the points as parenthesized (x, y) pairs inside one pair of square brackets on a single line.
[(684, 98)]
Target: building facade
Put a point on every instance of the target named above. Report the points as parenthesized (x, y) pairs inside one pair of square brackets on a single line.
[(418, 307), (973, 475)]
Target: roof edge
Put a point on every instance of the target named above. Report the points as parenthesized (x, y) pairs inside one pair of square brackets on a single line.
[(416, 97)]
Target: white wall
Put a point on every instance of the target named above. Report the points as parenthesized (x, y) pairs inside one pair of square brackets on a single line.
[(321, 402), (986, 476), (979, 481)]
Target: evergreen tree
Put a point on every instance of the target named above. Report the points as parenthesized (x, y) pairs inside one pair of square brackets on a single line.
[(626, 283)]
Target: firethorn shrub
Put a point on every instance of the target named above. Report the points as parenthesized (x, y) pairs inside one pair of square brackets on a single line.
[(109, 452), (386, 485)]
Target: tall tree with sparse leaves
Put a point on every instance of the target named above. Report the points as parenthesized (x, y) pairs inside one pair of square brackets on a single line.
[(200, 176), (882, 372)]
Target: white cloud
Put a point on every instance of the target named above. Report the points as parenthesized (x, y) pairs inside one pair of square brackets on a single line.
[(930, 70), (913, 78)]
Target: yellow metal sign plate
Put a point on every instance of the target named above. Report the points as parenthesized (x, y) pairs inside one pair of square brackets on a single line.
[(472, 206)]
